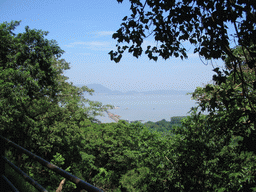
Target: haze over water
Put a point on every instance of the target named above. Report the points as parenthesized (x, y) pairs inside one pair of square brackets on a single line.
[(152, 107)]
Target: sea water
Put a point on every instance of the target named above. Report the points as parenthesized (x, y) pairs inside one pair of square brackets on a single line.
[(151, 107)]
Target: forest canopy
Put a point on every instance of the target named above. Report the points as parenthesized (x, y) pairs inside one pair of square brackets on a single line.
[(42, 112), (230, 100), (205, 25)]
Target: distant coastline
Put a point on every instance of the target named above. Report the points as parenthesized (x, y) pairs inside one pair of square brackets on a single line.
[(101, 90), (141, 106), (115, 117)]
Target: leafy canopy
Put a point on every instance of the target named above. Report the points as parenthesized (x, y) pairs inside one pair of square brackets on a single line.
[(39, 110), (203, 23), (216, 151)]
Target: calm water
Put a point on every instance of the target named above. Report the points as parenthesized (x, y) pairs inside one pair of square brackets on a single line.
[(145, 107)]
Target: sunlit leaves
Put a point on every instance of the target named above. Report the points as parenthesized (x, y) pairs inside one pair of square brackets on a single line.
[(40, 110)]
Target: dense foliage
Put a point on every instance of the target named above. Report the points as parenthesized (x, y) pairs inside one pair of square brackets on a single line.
[(203, 23), (215, 152), (39, 110), (163, 125)]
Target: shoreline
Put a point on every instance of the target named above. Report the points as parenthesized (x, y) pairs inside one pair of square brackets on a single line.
[(113, 116)]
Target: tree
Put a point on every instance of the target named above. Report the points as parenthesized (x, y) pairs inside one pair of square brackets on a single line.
[(115, 154), (39, 110), (230, 101), (230, 118), (32, 82), (231, 104), (26, 76), (205, 161), (204, 24)]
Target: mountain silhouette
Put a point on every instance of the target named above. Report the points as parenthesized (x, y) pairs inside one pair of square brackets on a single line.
[(100, 89)]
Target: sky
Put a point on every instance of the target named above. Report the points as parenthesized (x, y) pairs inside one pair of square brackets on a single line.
[(83, 29)]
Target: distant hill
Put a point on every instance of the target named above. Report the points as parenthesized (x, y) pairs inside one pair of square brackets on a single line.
[(100, 89)]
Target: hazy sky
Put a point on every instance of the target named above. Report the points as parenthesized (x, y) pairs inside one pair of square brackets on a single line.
[(83, 29)]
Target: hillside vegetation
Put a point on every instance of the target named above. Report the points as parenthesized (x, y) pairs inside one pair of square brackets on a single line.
[(45, 114)]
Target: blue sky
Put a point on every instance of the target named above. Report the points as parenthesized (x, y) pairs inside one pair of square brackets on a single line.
[(83, 29)]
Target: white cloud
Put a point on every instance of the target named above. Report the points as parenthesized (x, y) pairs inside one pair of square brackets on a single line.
[(99, 43), (68, 45), (86, 54), (105, 33), (93, 45)]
